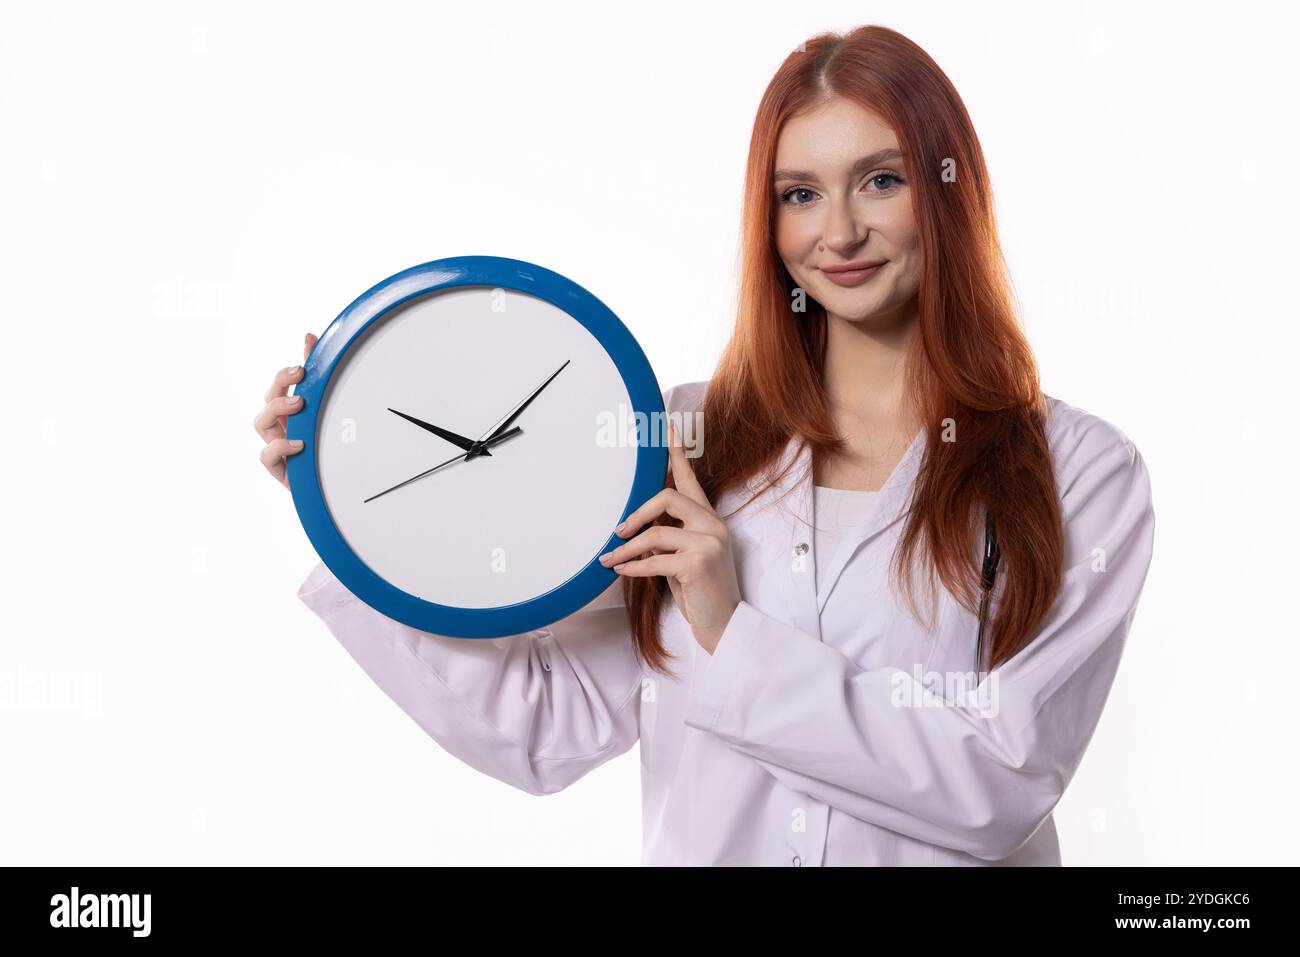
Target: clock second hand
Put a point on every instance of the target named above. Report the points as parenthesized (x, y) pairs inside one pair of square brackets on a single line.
[(455, 458)]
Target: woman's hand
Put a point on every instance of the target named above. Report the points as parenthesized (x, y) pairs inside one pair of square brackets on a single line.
[(696, 558), (270, 422)]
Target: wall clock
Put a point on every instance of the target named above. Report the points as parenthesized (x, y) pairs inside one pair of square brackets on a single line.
[(474, 428)]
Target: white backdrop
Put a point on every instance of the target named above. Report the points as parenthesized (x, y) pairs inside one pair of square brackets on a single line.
[(185, 192)]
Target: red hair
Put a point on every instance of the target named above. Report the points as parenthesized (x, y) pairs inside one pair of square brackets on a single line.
[(969, 368)]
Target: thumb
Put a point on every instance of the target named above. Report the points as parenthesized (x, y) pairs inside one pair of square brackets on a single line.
[(307, 344)]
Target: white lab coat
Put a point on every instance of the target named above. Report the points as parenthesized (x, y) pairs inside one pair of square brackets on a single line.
[(817, 733)]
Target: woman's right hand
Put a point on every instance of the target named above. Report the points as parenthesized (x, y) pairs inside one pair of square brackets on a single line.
[(270, 422)]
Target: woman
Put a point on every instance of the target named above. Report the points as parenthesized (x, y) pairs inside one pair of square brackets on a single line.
[(877, 414)]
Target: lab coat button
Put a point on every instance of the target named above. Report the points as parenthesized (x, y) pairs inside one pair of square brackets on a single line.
[(796, 862), (801, 548)]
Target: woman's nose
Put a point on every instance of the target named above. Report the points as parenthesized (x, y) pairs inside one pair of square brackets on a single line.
[(843, 232)]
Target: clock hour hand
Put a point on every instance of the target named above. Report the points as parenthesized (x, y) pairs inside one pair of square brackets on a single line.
[(455, 458), (457, 440), (517, 412)]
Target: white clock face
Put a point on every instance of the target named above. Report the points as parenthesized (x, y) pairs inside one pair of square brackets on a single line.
[(491, 530)]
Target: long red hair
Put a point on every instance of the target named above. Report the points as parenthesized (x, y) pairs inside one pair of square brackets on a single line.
[(970, 367)]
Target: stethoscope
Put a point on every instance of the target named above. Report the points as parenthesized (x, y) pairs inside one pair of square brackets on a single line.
[(992, 555)]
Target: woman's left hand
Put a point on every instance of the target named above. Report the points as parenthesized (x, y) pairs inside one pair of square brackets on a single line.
[(696, 558)]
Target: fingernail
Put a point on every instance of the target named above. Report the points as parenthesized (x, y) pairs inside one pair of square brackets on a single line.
[(294, 370), (295, 443), (293, 399), (604, 559), (619, 527)]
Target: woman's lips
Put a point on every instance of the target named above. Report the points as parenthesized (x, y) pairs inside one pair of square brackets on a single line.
[(852, 277)]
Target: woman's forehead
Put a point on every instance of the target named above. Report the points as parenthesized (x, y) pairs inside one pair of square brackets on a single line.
[(834, 137)]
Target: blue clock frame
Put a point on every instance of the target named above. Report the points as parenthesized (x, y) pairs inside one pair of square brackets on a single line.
[(371, 307)]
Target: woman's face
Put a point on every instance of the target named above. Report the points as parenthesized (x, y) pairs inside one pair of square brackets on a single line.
[(843, 196)]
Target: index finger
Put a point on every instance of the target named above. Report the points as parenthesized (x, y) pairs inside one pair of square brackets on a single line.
[(683, 475)]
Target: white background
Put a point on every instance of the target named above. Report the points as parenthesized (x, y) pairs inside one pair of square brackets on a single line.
[(185, 192)]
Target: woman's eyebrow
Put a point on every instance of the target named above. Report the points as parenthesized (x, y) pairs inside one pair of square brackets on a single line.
[(861, 166)]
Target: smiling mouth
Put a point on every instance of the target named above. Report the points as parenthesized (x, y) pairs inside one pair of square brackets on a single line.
[(862, 265), (853, 274)]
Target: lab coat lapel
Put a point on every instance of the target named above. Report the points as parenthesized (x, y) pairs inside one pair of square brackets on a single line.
[(889, 508), (787, 507)]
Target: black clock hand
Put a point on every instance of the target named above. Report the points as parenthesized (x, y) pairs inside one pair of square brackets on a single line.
[(457, 440), (455, 458), (517, 412)]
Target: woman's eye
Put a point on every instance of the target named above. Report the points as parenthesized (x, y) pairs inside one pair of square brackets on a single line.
[(883, 183)]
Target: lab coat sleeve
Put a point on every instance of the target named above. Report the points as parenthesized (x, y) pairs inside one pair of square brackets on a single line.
[(978, 774), (536, 710)]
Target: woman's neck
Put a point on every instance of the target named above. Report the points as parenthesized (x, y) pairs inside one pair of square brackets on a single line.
[(865, 374)]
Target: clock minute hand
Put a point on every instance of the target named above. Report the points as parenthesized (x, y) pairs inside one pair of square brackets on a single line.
[(519, 411), (455, 458), (457, 440)]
